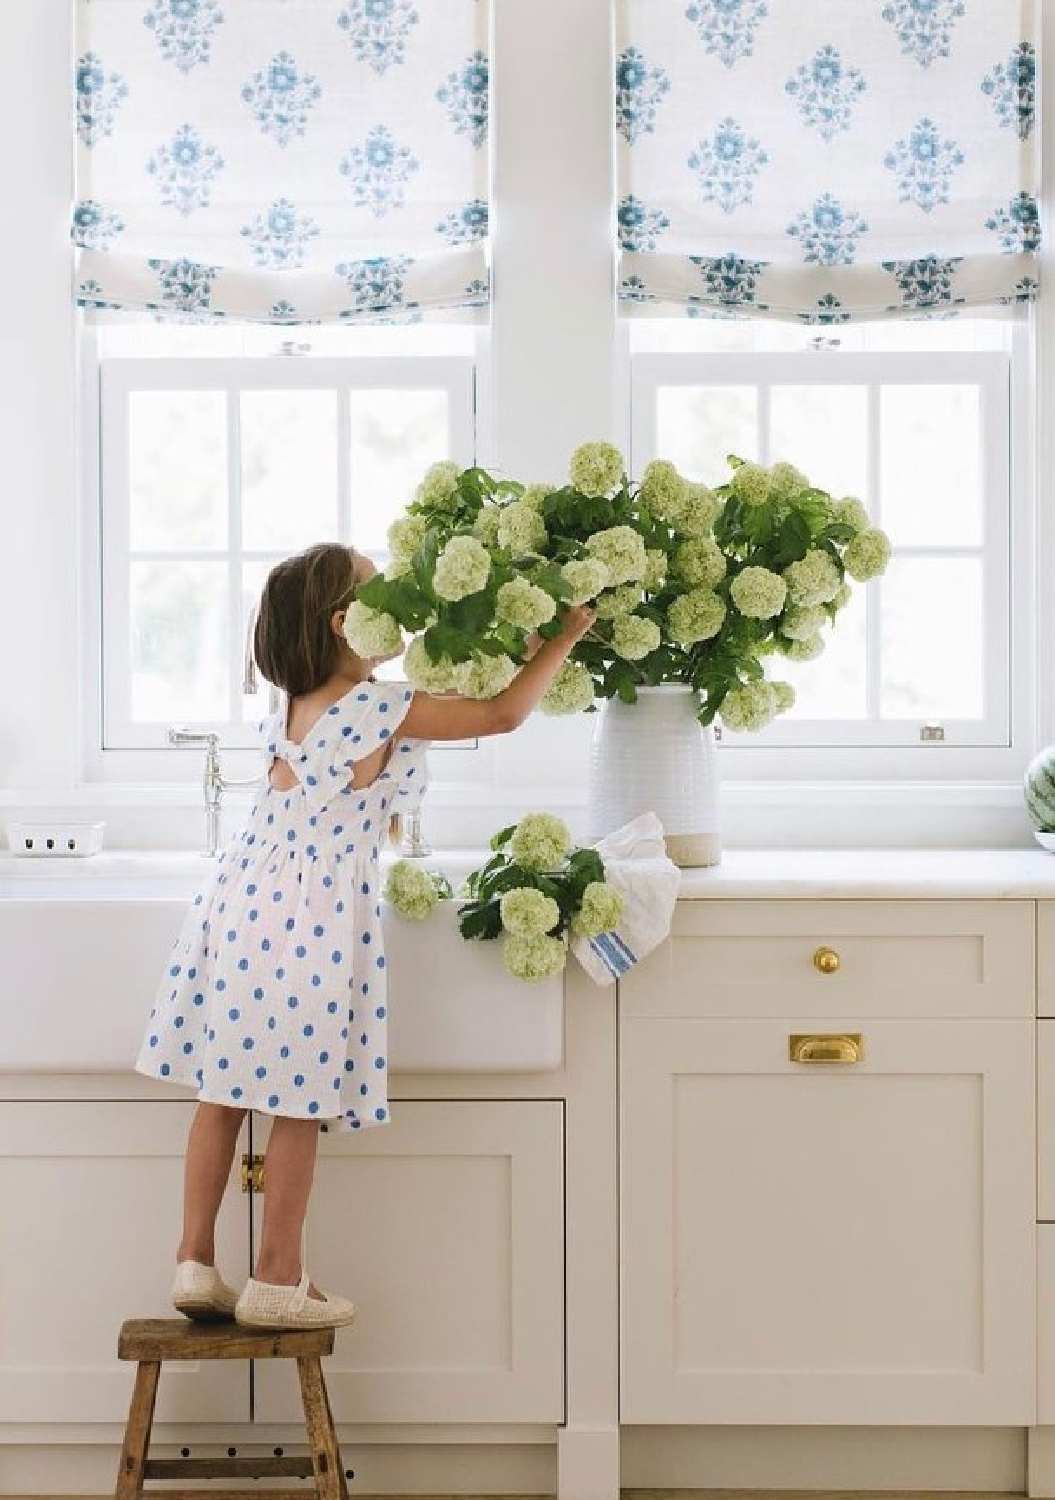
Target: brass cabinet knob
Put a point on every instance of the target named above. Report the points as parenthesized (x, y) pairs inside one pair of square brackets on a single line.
[(826, 960)]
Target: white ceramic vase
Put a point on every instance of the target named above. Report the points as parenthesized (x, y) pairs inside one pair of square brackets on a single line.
[(654, 756)]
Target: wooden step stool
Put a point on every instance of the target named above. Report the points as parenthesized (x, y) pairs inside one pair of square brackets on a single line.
[(151, 1341)]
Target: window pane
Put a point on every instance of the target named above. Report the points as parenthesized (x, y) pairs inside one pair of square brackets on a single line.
[(396, 435), (179, 641), (832, 686), (932, 663), (931, 464), (289, 469), (255, 706), (177, 463), (823, 430), (697, 427)]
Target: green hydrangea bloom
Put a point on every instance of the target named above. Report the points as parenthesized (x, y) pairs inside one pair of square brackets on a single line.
[(699, 562), (867, 554), (621, 601), (462, 568), (851, 512), (424, 674), (535, 494), (751, 484), (785, 481), (662, 488), (750, 707), (484, 676), (521, 529), (655, 570), (622, 550), (804, 650), (570, 692), (540, 841), (371, 632), (524, 604), (758, 593), (439, 485), (695, 616), (783, 696), (634, 637), (596, 469), (533, 956), (601, 911), (842, 598), (487, 525), (526, 910), (800, 624), (586, 578), (696, 512), (813, 581), (406, 535), (411, 890)]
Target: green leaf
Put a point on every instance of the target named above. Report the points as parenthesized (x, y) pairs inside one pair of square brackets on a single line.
[(500, 839), (480, 920)]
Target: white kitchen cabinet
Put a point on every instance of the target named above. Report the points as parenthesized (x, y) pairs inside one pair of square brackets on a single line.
[(446, 1228), (90, 1205)]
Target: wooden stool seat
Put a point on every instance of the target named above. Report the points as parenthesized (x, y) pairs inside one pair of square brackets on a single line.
[(151, 1341)]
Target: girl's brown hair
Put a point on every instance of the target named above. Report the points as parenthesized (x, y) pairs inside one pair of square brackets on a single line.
[(293, 644)]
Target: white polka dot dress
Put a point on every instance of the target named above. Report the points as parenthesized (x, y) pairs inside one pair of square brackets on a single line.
[(274, 997)]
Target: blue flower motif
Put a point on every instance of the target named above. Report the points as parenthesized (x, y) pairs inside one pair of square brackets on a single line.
[(828, 232), (639, 225), (282, 98), (633, 289), (728, 166), (730, 280), (99, 97), (827, 91), (1025, 290), (379, 170), (727, 27), (90, 293), (638, 90), (185, 168), (186, 285), (378, 30), (184, 29), (1018, 225), (377, 284), (465, 224), (926, 282), (924, 165), (1012, 86), (924, 27), (829, 311), (477, 292), (465, 97), (277, 238), (93, 228), (283, 310)]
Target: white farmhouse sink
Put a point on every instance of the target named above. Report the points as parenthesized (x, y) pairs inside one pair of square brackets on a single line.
[(83, 944)]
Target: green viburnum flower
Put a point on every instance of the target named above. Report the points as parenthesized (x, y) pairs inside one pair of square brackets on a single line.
[(406, 535), (601, 911), (758, 593), (842, 598), (696, 512), (398, 567), (800, 624), (487, 525), (622, 550), (656, 570), (867, 554), (751, 484), (439, 485), (805, 650), (411, 890), (621, 601), (851, 512), (695, 616), (535, 494), (526, 910), (783, 696), (484, 676), (662, 488), (570, 692), (462, 568), (812, 581), (533, 956), (699, 562), (749, 707), (596, 469), (540, 841), (587, 578), (634, 637), (785, 481), (424, 674), (521, 529), (371, 632), (524, 604)]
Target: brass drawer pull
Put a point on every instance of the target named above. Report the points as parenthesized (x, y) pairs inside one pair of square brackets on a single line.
[(826, 960), (830, 1047), (252, 1173)]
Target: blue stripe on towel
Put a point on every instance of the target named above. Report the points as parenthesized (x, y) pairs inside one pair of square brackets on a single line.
[(613, 953)]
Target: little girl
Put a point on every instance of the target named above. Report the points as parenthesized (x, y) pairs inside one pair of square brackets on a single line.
[(274, 999)]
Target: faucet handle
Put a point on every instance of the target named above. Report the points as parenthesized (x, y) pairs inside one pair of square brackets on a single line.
[(179, 735)]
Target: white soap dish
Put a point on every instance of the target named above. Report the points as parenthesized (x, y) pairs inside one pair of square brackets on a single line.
[(55, 840), (1045, 838)]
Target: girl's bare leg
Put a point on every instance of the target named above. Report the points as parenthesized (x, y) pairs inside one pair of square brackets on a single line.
[(289, 1167), (210, 1151)]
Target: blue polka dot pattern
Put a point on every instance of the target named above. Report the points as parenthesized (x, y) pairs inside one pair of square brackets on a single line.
[(291, 915)]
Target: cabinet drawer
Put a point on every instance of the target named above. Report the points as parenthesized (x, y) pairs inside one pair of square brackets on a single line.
[(892, 958), (1046, 1120), (1046, 958)]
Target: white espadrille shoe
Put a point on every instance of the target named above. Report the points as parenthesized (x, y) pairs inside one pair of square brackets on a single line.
[(199, 1293), (266, 1304)]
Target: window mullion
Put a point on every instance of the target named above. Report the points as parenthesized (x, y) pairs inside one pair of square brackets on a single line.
[(235, 654), (873, 620)]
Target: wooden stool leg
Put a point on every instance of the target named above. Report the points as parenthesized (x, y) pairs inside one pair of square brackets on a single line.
[(325, 1455), (333, 1429), (137, 1433)]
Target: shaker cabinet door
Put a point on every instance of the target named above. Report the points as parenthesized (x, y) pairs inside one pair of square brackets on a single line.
[(827, 1242)]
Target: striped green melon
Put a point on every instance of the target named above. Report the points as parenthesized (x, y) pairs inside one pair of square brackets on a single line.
[(1040, 790)]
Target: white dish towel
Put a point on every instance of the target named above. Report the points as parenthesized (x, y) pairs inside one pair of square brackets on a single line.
[(636, 865)]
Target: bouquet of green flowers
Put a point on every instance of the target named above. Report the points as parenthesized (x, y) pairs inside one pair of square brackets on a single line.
[(534, 890), (692, 585)]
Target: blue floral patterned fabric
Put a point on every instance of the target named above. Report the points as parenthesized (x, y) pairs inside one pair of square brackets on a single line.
[(825, 160), (304, 162)]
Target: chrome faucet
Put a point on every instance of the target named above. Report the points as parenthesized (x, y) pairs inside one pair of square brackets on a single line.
[(214, 782)]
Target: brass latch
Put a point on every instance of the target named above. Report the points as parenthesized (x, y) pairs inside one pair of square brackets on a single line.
[(252, 1174)]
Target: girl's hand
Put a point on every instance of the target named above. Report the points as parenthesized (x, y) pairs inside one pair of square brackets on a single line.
[(577, 621), (531, 645)]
